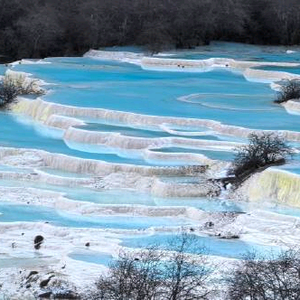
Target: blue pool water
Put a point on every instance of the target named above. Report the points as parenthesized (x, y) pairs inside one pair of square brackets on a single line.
[(16, 133), (293, 70), (241, 52), (30, 135), (146, 133), (219, 95), (92, 257), (219, 155), (210, 245), (22, 135), (23, 213), (127, 197)]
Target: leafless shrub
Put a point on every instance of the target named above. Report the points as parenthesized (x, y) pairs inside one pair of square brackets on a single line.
[(8, 93), (262, 150), (25, 84), (268, 278), (15, 85), (151, 274), (290, 90)]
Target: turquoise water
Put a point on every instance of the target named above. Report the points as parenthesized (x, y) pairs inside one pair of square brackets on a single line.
[(127, 131), (123, 197), (29, 213), (127, 197), (227, 50), (22, 135), (219, 155), (242, 52), (210, 245), (171, 242), (146, 133), (219, 95), (86, 194), (293, 70), (129, 88), (92, 257), (18, 134)]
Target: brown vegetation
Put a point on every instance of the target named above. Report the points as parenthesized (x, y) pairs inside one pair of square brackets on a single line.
[(31, 28), (8, 93), (289, 90), (263, 150), (150, 274), (268, 278)]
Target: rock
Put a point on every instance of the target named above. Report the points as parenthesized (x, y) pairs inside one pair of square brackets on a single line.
[(228, 235), (235, 236), (31, 273), (45, 295), (209, 224), (68, 294), (38, 240), (45, 282), (87, 244)]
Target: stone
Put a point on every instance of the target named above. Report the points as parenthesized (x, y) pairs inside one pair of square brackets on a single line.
[(45, 295), (38, 240), (68, 294), (45, 282), (209, 224), (31, 273)]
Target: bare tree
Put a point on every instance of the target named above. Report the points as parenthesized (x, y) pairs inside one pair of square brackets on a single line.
[(262, 150), (289, 90), (8, 93), (132, 276), (52, 27), (266, 278), (153, 274), (187, 279)]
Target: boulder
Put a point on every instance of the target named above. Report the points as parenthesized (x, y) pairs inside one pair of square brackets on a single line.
[(38, 240)]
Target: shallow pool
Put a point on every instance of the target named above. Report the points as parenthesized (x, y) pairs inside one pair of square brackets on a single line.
[(29, 213), (234, 248), (219, 95)]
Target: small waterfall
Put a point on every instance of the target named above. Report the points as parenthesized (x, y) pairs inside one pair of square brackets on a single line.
[(42, 111), (276, 186)]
